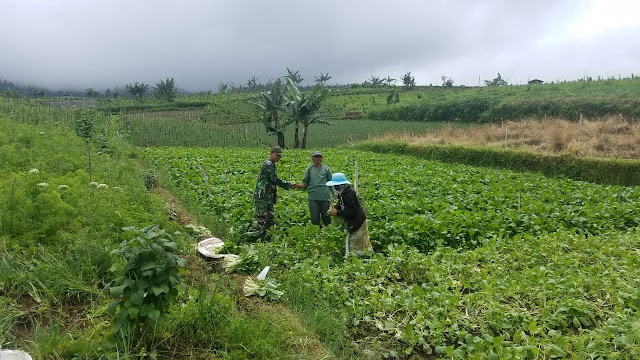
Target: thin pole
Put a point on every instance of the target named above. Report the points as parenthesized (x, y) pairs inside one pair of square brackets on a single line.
[(355, 182), (226, 179), (206, 179)]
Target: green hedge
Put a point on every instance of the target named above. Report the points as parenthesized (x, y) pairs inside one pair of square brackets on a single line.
[(568, 108), (601, 171), (155, 107), (488, 108), (461, 108)]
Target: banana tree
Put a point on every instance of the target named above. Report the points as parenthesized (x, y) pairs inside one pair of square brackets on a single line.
[(271, 102), (303, 109)]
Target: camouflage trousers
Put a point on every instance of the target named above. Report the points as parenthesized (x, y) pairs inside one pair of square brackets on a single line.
[(265, 215)]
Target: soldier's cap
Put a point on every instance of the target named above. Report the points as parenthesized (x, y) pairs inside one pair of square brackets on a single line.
[(277, 150), (317, 153)]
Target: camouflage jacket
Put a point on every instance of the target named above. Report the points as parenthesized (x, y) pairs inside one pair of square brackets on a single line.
[(266, 191)]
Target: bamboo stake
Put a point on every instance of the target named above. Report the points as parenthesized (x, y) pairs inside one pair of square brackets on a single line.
[(364, 203), (226, 179), (355, 182), (206, 179)]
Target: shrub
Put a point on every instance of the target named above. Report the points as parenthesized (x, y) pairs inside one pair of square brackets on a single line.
[(149, 283), (567, 108)]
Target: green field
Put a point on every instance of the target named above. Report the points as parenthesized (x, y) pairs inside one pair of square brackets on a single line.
[(567, 100), (192, 128), (471, 262), (532, 285)]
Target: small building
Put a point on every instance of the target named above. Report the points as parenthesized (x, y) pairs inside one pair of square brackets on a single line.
[(535, 81)]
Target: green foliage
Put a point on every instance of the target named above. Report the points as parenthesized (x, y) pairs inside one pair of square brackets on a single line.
[(47, 341), (514, 298), (149, 282), (566, 108), (393, 97), (272, 103), (246, 263), (303, 109), (137, 90), (56, 232), (546, 276), (408, 81), (91, 93), (10, 314), (264, 288), (447, 82), (322, 79), (214, 319), (498, 81), (602, 171), (234, 109), (150, 179), (84, 125), (165, 90), (451, 205), (294, 76), (459, 108)]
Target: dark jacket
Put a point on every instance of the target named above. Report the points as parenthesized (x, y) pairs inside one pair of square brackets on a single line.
[(349, 208)]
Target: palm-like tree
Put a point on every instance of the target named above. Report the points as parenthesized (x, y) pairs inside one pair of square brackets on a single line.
[(137, 90), (223, 88), (271, 103), (322, 79), (294, 76), (389, 81), (252, 84), (375, 81), (165, 90), (303, 109), (408, 81)]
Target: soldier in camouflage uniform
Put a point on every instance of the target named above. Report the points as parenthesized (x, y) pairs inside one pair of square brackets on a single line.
[(266, 193)]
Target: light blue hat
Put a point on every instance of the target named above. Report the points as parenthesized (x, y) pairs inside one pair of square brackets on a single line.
[(338, 179)]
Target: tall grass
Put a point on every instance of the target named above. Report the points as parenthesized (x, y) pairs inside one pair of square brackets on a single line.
[(611, 137), (54, 264)]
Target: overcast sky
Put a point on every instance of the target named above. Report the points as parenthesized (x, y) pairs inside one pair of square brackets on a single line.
[(101, 44)]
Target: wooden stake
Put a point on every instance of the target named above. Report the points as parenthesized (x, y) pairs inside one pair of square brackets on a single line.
[(355, 182), (364, 203), (89, 162), (226, 179), (206, 179)]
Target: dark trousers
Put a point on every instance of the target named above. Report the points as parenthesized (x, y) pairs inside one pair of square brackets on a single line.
[(318, 209), (265, 215)]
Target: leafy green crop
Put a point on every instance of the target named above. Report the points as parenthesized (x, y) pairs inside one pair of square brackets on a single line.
[(149, 283), (471, 263), (420, 203)]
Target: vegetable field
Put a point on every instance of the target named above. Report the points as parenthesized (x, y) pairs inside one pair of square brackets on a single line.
[(471, 263)]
